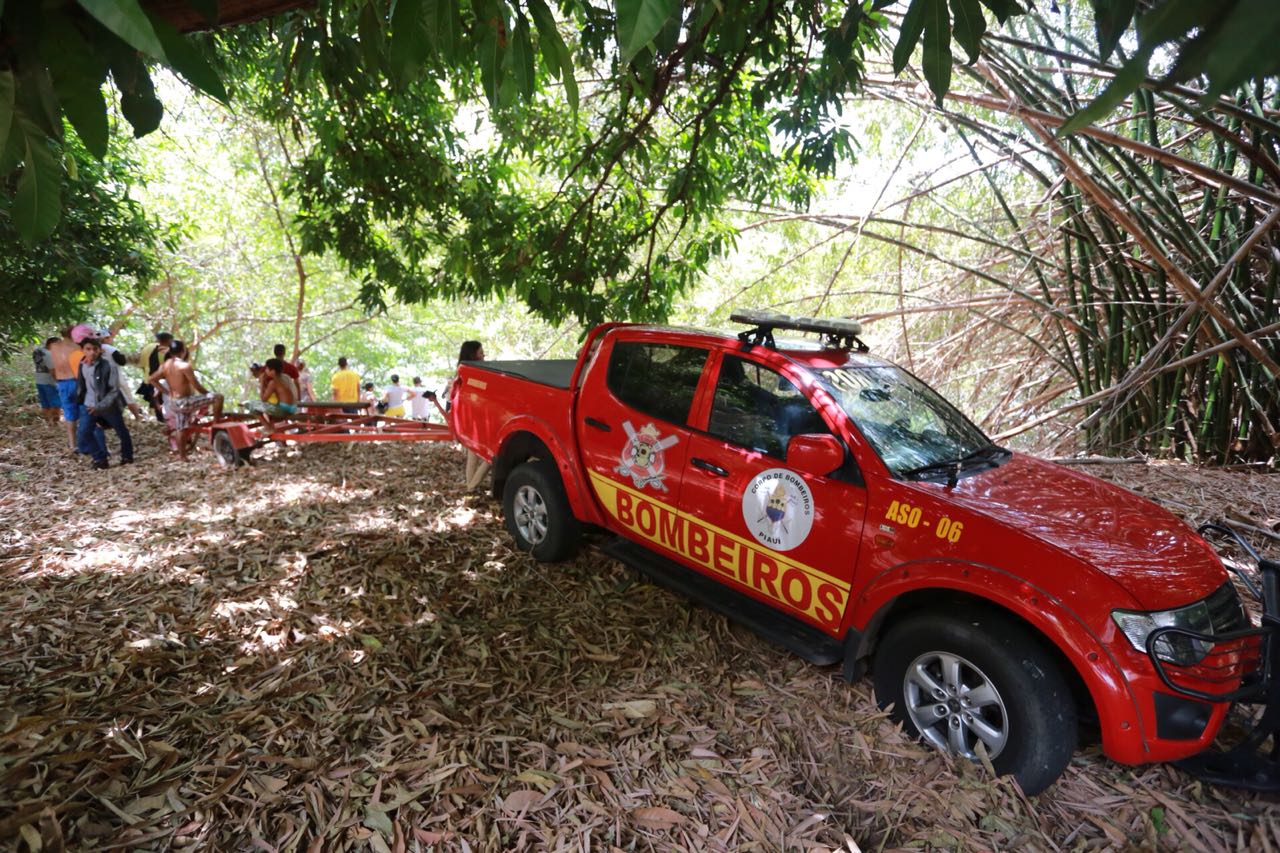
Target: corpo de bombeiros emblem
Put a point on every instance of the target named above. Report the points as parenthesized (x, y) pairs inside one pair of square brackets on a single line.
[(778, 509), (642, 455)]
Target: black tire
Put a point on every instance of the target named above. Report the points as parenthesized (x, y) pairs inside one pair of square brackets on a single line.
[(227, 454), (537, 513), (1033, 707)]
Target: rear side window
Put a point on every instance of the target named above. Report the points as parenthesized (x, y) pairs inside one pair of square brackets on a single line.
[(657, 379)]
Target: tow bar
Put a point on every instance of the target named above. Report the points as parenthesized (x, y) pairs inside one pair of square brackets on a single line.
[(1249, 655)]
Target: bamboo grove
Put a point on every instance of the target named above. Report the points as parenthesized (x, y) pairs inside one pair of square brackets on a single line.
[(1123, 278)]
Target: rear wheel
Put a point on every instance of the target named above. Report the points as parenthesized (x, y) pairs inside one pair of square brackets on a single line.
[(982, 682), (227, 454), (537, 512)]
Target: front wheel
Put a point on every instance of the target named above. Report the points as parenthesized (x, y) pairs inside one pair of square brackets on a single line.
[(979, 682), (537, 512)]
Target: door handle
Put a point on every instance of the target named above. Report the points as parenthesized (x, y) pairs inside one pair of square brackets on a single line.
[(709, 467), (600, 425)]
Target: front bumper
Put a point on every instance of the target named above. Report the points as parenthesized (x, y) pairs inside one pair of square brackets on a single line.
[(1241, 668)]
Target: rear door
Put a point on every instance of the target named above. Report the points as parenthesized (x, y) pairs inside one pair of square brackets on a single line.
[(783, 536), (633, 433)]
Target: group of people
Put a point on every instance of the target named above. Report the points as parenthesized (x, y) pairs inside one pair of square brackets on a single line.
[(79, 376), (395, 401)]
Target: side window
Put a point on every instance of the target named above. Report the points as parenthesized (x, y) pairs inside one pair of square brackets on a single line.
[(759, 408), (657, 379)]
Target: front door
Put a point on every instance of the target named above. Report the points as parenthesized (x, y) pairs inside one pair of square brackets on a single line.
[(633, 433), (783, 536)]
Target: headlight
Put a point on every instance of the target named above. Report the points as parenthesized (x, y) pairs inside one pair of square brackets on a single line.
[(1174, 648)]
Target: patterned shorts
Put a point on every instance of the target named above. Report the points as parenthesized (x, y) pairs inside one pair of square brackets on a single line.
[(183, 412)]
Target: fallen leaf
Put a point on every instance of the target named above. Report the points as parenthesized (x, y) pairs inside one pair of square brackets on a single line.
[(657, 817)]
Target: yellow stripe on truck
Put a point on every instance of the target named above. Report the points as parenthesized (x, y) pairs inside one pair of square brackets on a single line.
[(796, 586)]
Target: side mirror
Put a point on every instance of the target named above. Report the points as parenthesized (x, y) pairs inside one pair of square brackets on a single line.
[(815, 453)]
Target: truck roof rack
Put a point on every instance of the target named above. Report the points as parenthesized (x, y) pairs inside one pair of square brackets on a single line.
[(836, 333)]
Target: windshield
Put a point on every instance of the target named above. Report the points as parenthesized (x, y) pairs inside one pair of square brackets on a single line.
[(908, 424)]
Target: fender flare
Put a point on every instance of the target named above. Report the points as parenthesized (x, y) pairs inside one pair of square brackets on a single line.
[(574, 488), (239, 432), (1124, 735)]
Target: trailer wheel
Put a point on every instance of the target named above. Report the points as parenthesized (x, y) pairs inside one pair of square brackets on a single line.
[(227, 454), (537, 512), (955, 682)]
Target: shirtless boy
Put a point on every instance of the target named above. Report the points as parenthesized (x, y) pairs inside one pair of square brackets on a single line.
[(187, 400), (279, 392), (64, 375)]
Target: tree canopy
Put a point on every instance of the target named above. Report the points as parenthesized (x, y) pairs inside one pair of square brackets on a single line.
[(591, 181)]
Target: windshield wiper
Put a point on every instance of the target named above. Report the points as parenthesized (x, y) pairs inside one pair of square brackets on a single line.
[(953, 467)]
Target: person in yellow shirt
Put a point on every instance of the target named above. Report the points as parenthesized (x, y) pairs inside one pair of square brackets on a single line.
[(345, 386)]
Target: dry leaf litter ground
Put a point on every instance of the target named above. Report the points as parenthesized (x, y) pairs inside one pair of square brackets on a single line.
[(337, 650)]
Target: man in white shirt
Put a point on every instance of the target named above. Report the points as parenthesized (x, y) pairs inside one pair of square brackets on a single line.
[(418, 402)]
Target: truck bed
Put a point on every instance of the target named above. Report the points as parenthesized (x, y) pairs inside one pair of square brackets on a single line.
[(555, 372)]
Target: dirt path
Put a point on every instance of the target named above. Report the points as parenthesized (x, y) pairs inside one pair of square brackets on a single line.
[(336, 650)]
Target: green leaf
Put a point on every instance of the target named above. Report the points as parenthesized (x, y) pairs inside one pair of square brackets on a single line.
[(35, 90), (491, 56), (126, 19), (37, 205), (969, 26), (15, 146), (370, 32), (669, 36), (1111, 18), (639, 21), (1128, 78), (1246, 41), (909, 33), (549, 41), (409, 42), (1172, 19), (568, 74), (138, 99), (1003, 9), (555, 54), (7, 89), (78, 74), (936, 55), (186, 59), (522, 58), (447, 31)]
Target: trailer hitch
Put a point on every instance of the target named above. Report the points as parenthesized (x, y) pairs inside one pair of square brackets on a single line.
[(1250, 657)]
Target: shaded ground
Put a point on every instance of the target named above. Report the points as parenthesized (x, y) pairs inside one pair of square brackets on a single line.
[(337, 650)]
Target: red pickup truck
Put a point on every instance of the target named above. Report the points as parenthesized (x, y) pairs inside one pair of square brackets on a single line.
[(843, 509)]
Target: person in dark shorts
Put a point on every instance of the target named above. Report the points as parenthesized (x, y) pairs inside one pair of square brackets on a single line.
[(46, 385), (150, 359)]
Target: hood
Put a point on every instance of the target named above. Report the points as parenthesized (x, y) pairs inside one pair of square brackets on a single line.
[(1146, 549)]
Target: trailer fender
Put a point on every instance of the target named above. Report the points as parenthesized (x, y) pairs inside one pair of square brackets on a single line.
[(240, 434)]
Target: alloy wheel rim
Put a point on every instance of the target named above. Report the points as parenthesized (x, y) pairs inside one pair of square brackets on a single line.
[(954, 705), (531, 516)]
